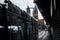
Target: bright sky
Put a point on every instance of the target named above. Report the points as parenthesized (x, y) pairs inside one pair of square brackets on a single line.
[(1, 1), (23, 5)]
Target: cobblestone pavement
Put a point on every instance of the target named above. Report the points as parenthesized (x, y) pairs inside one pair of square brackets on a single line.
[(44, 35)]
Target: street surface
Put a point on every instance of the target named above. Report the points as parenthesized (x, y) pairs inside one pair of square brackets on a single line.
[(43, 35)]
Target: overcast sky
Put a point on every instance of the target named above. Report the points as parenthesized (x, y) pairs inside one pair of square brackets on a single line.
[(23, 5)]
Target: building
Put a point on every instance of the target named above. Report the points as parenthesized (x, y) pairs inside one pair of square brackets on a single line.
[(41, 21), (28, 10), (35, 12)]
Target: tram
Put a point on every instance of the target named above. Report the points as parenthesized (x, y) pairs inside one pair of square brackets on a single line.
[(18, 25)]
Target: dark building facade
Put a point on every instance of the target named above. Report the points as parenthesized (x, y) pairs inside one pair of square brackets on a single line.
[(54, 20)]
